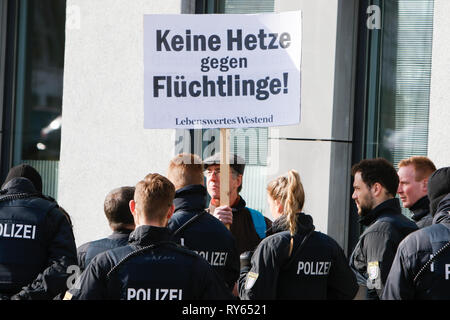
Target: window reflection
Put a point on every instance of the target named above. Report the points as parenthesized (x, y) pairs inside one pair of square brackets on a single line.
[(39, 88), (40, 80)]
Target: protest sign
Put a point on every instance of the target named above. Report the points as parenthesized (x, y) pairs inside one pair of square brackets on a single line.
[(222, 71)]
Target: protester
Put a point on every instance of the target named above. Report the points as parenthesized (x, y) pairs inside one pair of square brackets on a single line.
[(247, 225), (193, 227), (421, 268), (120, 220), (151, 267), (413, 174), (375, 186), (299, 263), (36, 240)]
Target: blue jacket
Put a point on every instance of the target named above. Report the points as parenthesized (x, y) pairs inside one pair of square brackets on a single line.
[(89, 250), (36, 244), (150, 267), (319, 271), (207, 236), (374, 253), (413, 254)]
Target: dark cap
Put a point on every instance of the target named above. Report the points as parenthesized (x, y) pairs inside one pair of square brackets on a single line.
[(236, 162), (438, 187), (25, 171)]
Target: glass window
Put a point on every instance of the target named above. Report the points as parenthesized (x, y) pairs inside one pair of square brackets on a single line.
[(39, 88), (398, 73)]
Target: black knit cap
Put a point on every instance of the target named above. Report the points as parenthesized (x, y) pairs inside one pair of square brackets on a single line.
[(438, 187), (25, 171), (236, 162)]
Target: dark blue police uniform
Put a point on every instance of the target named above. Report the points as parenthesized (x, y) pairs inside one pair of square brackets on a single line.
[(89, 250), (36, 244), (203, 233), (374, 253), (317, 269), (413, 275), (151, 267)]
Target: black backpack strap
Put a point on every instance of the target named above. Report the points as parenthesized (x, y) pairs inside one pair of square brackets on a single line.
[(434, 240), (188, 223), (138, 252)]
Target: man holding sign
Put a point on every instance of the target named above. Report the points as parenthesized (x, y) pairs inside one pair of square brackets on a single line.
[(247, 225), (222, 72)]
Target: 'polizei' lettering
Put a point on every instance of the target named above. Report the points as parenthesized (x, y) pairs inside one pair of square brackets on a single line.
[(154, 294), (17, 231), (314, 268), (215, 259)]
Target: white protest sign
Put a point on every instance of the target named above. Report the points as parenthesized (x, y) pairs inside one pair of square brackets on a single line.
[(222, 71)]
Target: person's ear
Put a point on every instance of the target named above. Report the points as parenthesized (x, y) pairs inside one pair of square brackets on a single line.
[(280, 207), (424, 185), (376, 189), (239, 180), (132, 205), (171, 211)]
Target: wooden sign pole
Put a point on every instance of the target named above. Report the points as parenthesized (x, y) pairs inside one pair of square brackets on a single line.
[(225, 168)]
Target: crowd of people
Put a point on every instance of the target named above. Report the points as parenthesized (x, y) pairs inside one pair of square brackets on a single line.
[(167, 243)]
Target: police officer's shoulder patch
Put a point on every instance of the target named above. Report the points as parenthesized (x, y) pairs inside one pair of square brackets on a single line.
[(373, 270), (251, 279), (67, 296)]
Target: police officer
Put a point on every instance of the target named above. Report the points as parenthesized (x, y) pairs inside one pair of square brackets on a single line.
[(299, 263), (117, 212), (413, 176), (36, 241), (421, 268), (151, 267), (193, 227), (375, 186)]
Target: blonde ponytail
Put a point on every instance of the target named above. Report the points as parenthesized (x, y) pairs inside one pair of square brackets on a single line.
[(289, 191)]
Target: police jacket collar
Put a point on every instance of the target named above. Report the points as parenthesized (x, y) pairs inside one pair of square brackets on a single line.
[(391, 206), (147, 235), (304, 224), (420, 209), (443, 211), (19, 185), (117, 234), (190, 198)]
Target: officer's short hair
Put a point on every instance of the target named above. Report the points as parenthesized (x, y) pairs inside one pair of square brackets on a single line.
[(423, 166), (378, 170), (117, 209), (154, 196), (185, 169)]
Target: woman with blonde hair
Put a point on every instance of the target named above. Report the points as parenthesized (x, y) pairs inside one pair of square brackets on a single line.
[(296, 262)]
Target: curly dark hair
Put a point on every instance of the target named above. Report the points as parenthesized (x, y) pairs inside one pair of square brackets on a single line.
[(378, 170)]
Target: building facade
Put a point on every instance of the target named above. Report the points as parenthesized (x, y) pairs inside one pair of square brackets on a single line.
[(374, 83)]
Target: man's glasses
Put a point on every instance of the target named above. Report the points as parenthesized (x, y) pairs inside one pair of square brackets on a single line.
[(209, 173)]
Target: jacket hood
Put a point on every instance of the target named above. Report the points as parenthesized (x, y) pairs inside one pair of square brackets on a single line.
[(146, 235), (438, 187), (443, 211), (304, 223), (19, 185)]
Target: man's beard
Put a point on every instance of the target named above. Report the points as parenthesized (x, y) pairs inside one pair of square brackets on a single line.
[(363, 211), (365, 208)]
